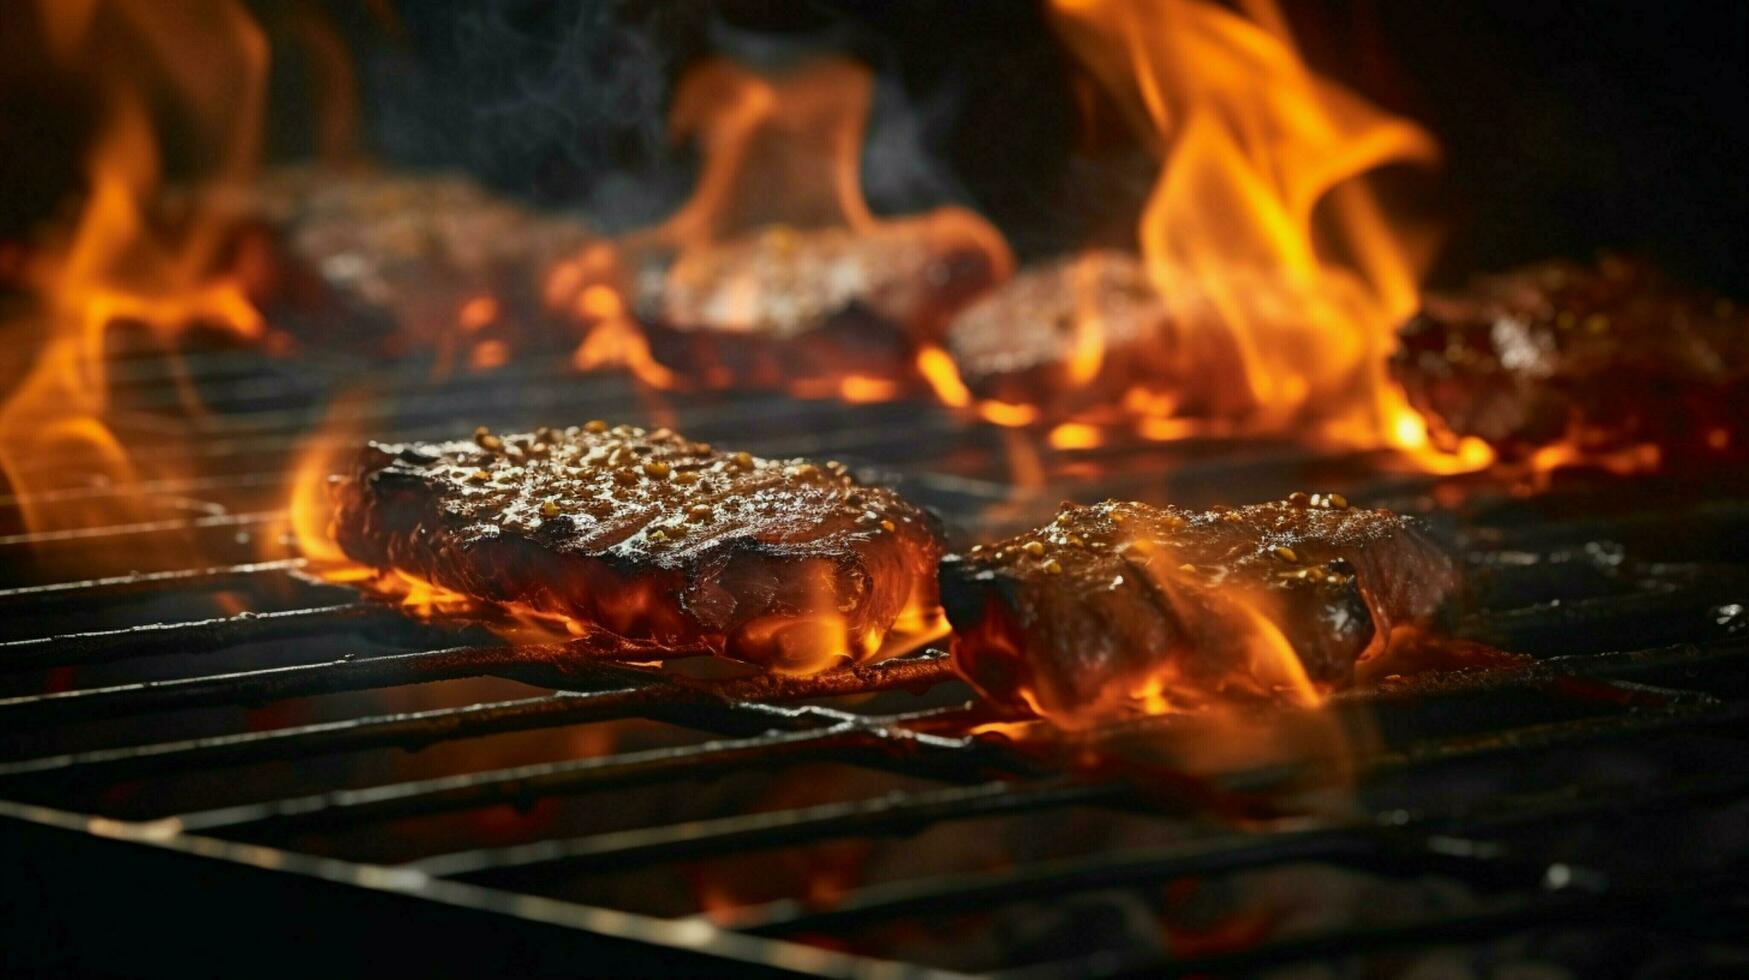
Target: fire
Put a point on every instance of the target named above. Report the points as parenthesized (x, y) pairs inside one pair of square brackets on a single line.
[(1281, 278), (772, 245), (807, 643), (114, 268)]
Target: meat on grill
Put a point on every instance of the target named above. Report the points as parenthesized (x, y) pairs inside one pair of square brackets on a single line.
[(1599, 357), (1121, 602), (401, 255), (1082, 331), (767, 308), (649, 535)]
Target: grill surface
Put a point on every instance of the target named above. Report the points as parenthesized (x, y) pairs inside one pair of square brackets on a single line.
[(294, 770)]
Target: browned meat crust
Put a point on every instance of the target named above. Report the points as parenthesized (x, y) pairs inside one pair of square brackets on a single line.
[(652, 536), (1119, 603), (1082, 331), (406, 252), (1600, 357), (768, 308)]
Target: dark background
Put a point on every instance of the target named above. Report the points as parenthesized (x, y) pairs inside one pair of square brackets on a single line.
[(1567, 127)]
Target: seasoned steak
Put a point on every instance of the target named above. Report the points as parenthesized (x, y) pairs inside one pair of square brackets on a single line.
[(431, 260), (1123, 603), (780, 562), (1599, 357), (768, 308), (1082, 331)]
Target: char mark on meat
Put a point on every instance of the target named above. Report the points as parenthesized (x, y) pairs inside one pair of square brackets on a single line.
[(1599, 358), (784, 563), (767, 308), (1112, 605)]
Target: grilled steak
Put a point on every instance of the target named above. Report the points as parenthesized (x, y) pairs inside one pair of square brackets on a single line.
[(766, 309), (779, 562), (404, 253), (1083, 331), (1121, 603), (1598, 357)]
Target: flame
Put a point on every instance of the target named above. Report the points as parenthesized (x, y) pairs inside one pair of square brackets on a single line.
[(1281, 277), (805, 642), (1226, 649), (781, 173), (113, 267)]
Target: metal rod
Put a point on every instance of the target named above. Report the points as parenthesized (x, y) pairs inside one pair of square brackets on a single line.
[(720, 706), (196, 636), (1387, 834), (137, 582), (855, 740), (893, 813), (85, 535)]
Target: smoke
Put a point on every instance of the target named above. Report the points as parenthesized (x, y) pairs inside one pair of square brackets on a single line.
[(544, 100), (566, 103)]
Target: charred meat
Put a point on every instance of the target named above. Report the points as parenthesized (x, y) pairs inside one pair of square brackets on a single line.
[(426, 259), (1082, 332), (1598, 357), (784, 563), (766, 308), (1120, 604)]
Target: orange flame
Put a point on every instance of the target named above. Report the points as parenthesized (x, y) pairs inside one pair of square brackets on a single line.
[(781, 160), (113, 267), (805, 642), (1283, 280)]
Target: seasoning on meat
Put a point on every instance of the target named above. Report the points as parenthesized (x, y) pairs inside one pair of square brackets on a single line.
[(425, 260), (766, 308), (1598, 358), (1082, 332), (1118, 606), (784, 563)]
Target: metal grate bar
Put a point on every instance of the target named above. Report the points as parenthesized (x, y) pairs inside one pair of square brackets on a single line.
[(86, 535), (193, 637), (893, 813), (857, 740), (138, 582), (177, 487), (713, 706), (1384, 844), (254, 687)]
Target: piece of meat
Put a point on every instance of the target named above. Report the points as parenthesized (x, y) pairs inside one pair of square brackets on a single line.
[(782, 304), (425, 261), (778, 562), (1599, 358), (1084, 331), (1122, 604)]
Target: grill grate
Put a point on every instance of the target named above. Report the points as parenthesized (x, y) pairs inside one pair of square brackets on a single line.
[(138, 709)]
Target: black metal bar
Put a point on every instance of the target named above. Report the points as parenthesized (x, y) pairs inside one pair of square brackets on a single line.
[(138, 582), (847, 742), (1391, 834), (196, 636), (86, 535), (348, 673), (169, 487), (728, 706), (896, 813)]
